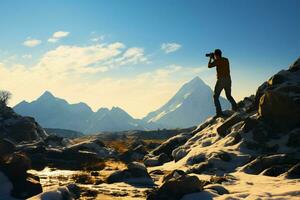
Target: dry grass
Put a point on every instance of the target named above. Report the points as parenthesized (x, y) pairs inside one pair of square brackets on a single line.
[(119, 145), (83, 178)]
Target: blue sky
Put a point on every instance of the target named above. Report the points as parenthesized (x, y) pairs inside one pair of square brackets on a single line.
[(259, 37)]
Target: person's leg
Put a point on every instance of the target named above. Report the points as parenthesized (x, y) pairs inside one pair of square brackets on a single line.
[(217, 92), (228, 95)]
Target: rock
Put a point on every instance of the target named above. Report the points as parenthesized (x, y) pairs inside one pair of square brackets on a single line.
[(176, 188), (152, 145), (296, 66), (263, 162), (95, 146), (156, 160), (294, 138), (275, 170), (224, 156), (174, 174), (135, 172), (135, 154), (218, 188), (223, 129), (277, 79), (151, 162), (172, 143), (69, 192), (195, 159), (117, 176), (163, 158), (54, 141), (137, 169), (294, 172), (200, 168), (279, 110), (74, 159), (24, 129), (157, 172), (7, 147), (260, 134), (26, 188), (136, 143), (259, 93), (250, 123), (179, 153), (16, 166)]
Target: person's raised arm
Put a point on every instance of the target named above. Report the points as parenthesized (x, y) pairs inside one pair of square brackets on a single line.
[(211, 62)]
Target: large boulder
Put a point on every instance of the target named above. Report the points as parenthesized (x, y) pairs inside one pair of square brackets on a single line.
[(7, 147), (156, 160), (69, 192), (279, 109), (293, 172), (135, 173), (168, 146), (175, 188), (15, 168), (18, 128), (26, 188), (135, 154), (262, 163), (223, 129), (73, 159), (294, 138)]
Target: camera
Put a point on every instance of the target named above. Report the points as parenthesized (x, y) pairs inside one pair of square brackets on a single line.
[(209, 55)]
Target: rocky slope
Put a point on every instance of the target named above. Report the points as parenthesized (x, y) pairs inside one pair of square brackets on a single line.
[(261, 143)]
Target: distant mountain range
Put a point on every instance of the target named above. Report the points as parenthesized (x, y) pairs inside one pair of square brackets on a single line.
[(190, 105)]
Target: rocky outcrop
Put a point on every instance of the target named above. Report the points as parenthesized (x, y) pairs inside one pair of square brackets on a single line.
[(18, 128), (279, 109), (261, 138)]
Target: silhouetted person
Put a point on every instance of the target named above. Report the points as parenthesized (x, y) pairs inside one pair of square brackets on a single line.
[(223, 80)]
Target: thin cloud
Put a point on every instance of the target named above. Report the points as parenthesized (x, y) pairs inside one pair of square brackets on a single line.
[(27, 56), (98, 38), (170, 47), (56, 36), (32, 42)]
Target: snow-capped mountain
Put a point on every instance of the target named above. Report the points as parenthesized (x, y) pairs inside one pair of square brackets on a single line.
[(191, 105)]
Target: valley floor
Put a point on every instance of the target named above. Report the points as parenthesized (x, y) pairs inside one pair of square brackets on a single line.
[(240, 186)]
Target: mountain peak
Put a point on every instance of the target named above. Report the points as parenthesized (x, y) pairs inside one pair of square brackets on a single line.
[(196, 80), (47, 95)]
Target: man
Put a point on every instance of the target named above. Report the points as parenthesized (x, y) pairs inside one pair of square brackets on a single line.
[(223, 80)]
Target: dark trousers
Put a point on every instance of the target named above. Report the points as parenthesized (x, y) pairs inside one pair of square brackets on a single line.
[(223, 83)]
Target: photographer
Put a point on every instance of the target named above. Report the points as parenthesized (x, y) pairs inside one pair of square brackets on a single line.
[(223, 79)]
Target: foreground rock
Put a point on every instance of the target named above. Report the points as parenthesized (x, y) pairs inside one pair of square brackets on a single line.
[(15, 166), (175, 186), (136, 173), (69, 192)]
